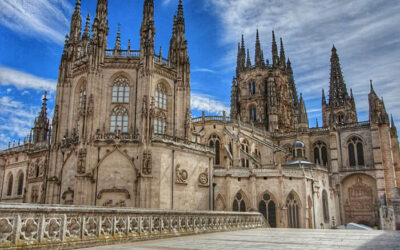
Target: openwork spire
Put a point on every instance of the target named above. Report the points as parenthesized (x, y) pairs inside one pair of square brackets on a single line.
[(282, 58), (76, 23), (337, 90), (259, 55), (248, 63), (275, 58), (86, 33), (147, 30), (118, 40), (241, 58), (292, 84)]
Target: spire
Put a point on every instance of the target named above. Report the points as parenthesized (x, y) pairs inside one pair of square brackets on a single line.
[(303, 118), (100, 28), (117, 46), (323, 97), (259, 55), (393, 128), (76, 23), (275, 58), (241, 57), (180, 11), (248, 63), (337, 88), (282, 58), (86, 33), (292, 84), (371, 87), (41, 125), (147, 30)]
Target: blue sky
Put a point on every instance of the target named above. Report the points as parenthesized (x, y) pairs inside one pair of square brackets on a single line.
[(366, 34)]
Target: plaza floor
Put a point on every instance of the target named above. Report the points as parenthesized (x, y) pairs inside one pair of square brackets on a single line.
[(273, 239)]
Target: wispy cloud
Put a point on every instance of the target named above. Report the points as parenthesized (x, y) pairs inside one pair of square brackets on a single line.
[(363, 31), (166, 2), (22, 80), (16, 119), (204, 70), (208, 104), (42, 19)]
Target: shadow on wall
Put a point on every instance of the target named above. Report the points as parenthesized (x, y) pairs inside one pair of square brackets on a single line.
[(386, 240)]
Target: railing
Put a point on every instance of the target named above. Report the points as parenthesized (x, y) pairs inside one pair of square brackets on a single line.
[(164, 137), (211, 118), (110, 137), (53, 226), (123, 53)]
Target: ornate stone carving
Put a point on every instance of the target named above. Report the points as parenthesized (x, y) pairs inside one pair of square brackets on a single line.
[(147, 163), (114, 190), (203, 177), (181, 175), (360, 206), (34, 194), (81, 167), (68, 196)]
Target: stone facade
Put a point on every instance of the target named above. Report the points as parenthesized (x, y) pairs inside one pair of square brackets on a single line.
[(122, 136)]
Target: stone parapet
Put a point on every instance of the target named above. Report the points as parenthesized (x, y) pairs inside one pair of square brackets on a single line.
[(55, 226)]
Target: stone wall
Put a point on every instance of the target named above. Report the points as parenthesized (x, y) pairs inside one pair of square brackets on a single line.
[(45, 226)]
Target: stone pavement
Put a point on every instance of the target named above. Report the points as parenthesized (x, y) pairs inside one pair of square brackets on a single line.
[(274, 239)]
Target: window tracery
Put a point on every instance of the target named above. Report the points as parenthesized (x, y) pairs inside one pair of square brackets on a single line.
[(253, 113), (267, 207), (293, 211), (10, 184), (160, 98), (160, 124), (120, 90), (245, 148), (214, 142), (252, 87), (238, 203), (20, 183), (320, 153), (355, 151), (119, 120)]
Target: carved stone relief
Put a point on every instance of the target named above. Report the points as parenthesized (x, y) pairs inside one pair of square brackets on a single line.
[(181, 175), (147, 163), (203, 177), (81, 167)]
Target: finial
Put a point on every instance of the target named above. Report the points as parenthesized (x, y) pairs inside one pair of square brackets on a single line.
[(333, 47), (316, 121), (129, 44), (45, 97), (371, 86), (160, 53), (9, 144), (86, 32)]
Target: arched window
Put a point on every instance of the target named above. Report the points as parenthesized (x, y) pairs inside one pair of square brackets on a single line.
[(267, 207), (119, 120), (120, 91), (252, 87), (20, 183), (10, 185), (266, 87), (340, 118), (160, 125), (214, 143), (293, 211), (82, 96), (245, 148), (160, 98), (238, 203), (320, 153), (356, 152), (325, 206), (253, 113)]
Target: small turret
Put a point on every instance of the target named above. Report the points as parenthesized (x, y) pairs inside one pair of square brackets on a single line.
[(117, 46), (377, 110), (86, 32), (147, 30), (41, 125)]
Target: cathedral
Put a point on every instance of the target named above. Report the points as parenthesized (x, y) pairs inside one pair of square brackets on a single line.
[(122, 135)]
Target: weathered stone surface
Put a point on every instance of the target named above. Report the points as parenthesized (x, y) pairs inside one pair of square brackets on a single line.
[(275, 239)]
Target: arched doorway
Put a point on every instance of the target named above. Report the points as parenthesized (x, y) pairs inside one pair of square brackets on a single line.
[(267, 207)]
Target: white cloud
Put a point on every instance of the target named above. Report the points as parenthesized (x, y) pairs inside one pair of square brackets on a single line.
[(166, 2), (363, 32), (42, 19), (203, 70), (22, 80), (208, 104)]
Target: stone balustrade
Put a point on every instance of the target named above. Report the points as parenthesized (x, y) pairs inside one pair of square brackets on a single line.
[(55, 226)]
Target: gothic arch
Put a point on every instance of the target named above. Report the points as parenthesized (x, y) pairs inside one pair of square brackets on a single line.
[(166, 85), (68, 173), (359, 199), (219, 203), (243, 197), (119, 74), (116, 148), (268, 206), (10, 184), (293, 205), (116, 183)]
